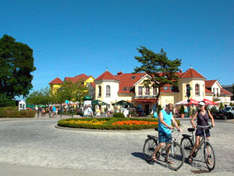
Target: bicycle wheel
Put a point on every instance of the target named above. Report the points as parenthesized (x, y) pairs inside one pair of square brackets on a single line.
[(209, 156), (187, 146), (149, 147), (175, 156)]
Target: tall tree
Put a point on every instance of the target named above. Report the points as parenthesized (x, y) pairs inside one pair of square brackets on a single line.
[(16, 65), (42, 96), (71, 91), (161, 69)]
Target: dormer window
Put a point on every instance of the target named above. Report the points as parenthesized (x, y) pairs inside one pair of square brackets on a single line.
[(133, 77), (125, 88), (140, 90), (147, 91)]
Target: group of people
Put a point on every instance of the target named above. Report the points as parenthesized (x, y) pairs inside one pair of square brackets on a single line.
[(165, 126)]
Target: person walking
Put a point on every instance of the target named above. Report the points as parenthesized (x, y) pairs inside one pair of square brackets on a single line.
[(54, 110), (202, 116), (164, 129)]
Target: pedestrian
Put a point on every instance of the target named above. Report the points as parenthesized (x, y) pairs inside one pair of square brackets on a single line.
[(37, 110), (202, 116), (164, 129), (54, 111)]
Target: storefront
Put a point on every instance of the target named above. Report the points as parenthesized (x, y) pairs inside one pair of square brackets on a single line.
[(144, 106)]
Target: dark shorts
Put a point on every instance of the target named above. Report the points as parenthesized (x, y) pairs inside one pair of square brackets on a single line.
[(199, 132), (164, 137)]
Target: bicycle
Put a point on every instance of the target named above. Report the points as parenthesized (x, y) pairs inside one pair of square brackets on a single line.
[(188, 141), (175, 153)]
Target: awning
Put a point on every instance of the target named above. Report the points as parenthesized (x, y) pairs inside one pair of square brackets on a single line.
[(145, 100)]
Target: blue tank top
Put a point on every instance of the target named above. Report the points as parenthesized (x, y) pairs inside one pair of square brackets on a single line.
[(167, 119)]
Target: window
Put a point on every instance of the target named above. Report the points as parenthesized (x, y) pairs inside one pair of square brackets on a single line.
[(99, 91), (125, 88), (108, 94), (147, 91), (154, 90), (165, 88), (197, 89), (140, 90)]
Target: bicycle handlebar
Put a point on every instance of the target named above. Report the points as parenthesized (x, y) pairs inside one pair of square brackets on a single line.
[(204, 127)]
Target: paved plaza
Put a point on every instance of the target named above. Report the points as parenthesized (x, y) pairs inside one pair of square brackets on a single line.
[(35, 146)]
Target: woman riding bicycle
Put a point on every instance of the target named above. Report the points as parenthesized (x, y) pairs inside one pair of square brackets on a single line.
[(202, 116)]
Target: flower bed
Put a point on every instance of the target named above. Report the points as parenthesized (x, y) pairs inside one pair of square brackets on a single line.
[(110, 123)]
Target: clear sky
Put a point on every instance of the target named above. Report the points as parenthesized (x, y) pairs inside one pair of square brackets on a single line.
[(70, 37)]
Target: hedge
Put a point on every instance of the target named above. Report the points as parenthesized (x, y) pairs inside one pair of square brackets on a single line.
[(13, 112)]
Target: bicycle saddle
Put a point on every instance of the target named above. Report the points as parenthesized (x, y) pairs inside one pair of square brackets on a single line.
[(191, 129)]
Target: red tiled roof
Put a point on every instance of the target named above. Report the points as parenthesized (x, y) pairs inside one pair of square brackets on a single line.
[(225, 92), (56, 81), (191, 73), (127, 81), (106, 76), (209, 83), (81, 77)]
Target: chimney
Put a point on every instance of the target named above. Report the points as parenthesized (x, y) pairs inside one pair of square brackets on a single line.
[(119, 73)]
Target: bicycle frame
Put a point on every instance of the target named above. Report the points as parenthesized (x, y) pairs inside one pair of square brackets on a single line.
[(203, 138), (173, 140)]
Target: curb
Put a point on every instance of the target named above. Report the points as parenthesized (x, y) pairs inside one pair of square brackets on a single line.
[(103, 131)]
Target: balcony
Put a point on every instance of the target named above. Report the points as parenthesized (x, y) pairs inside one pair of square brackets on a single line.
[(145, 97)]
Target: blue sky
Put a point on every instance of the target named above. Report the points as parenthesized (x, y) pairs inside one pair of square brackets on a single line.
[(70, 37)]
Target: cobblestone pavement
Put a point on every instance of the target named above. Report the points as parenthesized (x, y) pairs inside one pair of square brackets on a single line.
[(28, 145)]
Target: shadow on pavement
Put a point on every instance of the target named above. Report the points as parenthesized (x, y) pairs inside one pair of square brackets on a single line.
[(139, 155), (199, 171), (149, 161)]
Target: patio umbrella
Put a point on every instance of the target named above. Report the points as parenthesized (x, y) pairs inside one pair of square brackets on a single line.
[(222, 101), (98, 102), (185, 102), (123, 103), (209, 102), (192, 101)]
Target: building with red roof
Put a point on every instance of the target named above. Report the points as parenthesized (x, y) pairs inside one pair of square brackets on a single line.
[(86, 80), (111, 88), (130, 87)]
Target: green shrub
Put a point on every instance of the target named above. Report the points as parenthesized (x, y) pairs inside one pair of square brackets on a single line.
[(213, 110), (4, 102), (118, 115), (181, 111), (13, 112)]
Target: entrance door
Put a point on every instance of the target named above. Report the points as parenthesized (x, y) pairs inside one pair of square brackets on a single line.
[(147, 109)]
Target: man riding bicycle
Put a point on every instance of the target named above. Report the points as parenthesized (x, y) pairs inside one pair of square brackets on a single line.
[(202, 116), (164, 129)]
